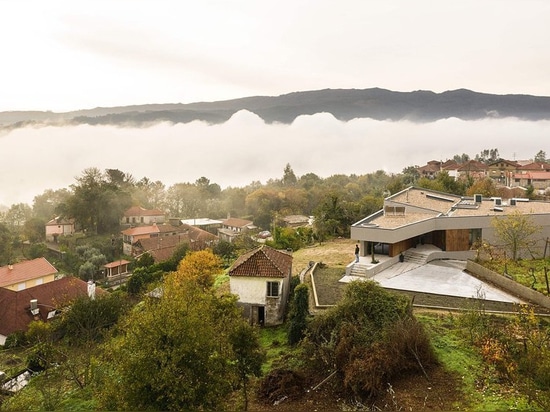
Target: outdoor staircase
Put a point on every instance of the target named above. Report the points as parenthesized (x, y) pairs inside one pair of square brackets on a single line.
[(359, 269), (416, 257)]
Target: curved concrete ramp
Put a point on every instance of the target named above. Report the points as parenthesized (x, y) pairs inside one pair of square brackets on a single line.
[(443, 277)]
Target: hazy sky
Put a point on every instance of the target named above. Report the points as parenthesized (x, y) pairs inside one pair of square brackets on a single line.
[(70, 55), (65, 55)]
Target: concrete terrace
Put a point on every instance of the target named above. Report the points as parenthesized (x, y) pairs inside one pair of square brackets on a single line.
[(417, 274)]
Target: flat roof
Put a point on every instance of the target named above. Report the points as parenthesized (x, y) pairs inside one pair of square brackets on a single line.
[(422, 204)]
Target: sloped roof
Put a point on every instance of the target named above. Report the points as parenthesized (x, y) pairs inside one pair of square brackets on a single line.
[(506, 162), (153, 243), (26, 270), (15, 305), (163, 248), (450, 164), (263, 261), (294, 219), (116, 263), (60, 221), (141, 230), (236, 222), (536, 167), (140, 211), (472, 166)]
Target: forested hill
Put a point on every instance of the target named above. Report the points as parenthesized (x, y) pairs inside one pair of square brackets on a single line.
[(344, 104)]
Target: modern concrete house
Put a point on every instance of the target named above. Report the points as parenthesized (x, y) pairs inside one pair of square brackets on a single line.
[(261, 279), (452, 223)]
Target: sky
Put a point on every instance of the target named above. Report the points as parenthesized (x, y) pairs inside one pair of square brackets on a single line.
[(69, 55)]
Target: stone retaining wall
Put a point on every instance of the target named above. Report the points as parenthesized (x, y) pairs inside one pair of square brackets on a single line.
[(508, 285)]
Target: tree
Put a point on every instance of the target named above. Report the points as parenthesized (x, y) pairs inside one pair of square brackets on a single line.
[(298, 315), (540, 156), (463, 158), (88, 320), (45, 206), (249, 356), (176, 352), (289, 178), (200, 267), (184, 200), (331, 217), (410, 175), (17, 215), (99, 200), (6, 242), (486, 187), (33, 230), (515, 231), (225, 250)]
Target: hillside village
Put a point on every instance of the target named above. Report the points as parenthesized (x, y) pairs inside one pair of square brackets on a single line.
[(111, 235)]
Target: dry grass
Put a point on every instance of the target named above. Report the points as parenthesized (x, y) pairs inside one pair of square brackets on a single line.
[(335, 253)]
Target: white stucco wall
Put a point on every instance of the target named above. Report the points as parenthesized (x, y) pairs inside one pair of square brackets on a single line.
[(253, 289)]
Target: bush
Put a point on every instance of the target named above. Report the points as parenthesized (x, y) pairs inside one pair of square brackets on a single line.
[(369, 338)]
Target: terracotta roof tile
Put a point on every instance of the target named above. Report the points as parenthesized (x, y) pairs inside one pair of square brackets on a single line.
[(263, 261), (15, 312), (140, 211), (23, 271)]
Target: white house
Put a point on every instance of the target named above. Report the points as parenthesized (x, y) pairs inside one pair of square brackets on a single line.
[(261, 279), (59, 227)]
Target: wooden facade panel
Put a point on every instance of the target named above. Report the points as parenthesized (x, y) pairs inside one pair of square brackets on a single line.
[(396, 248), (457, 240)]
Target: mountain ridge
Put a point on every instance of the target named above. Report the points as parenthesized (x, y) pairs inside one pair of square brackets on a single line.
[(344, 104)]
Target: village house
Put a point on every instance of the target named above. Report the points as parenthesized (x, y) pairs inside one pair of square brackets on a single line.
[(161, 248), (472, 169), (232, 227), (26, 274), (449, 222), (18, 308), (59, 227), (502, 170), (137, 215), (132, 235), (261, 280), (296, 221)]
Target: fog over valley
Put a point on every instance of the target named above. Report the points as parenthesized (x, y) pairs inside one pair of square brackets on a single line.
[(246, 149)]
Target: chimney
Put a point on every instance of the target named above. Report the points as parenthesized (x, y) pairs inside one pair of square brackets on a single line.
[(91, 289), (10, 266), (34, 307)]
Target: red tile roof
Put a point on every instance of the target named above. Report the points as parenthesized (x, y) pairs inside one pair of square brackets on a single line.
[(263, 261), (141, 230), (116, 263), (472, 166), (536, 167), (15, 312), (163, 248), (23, 271)]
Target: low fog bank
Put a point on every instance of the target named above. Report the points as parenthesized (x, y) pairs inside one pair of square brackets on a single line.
[(245, 149)]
